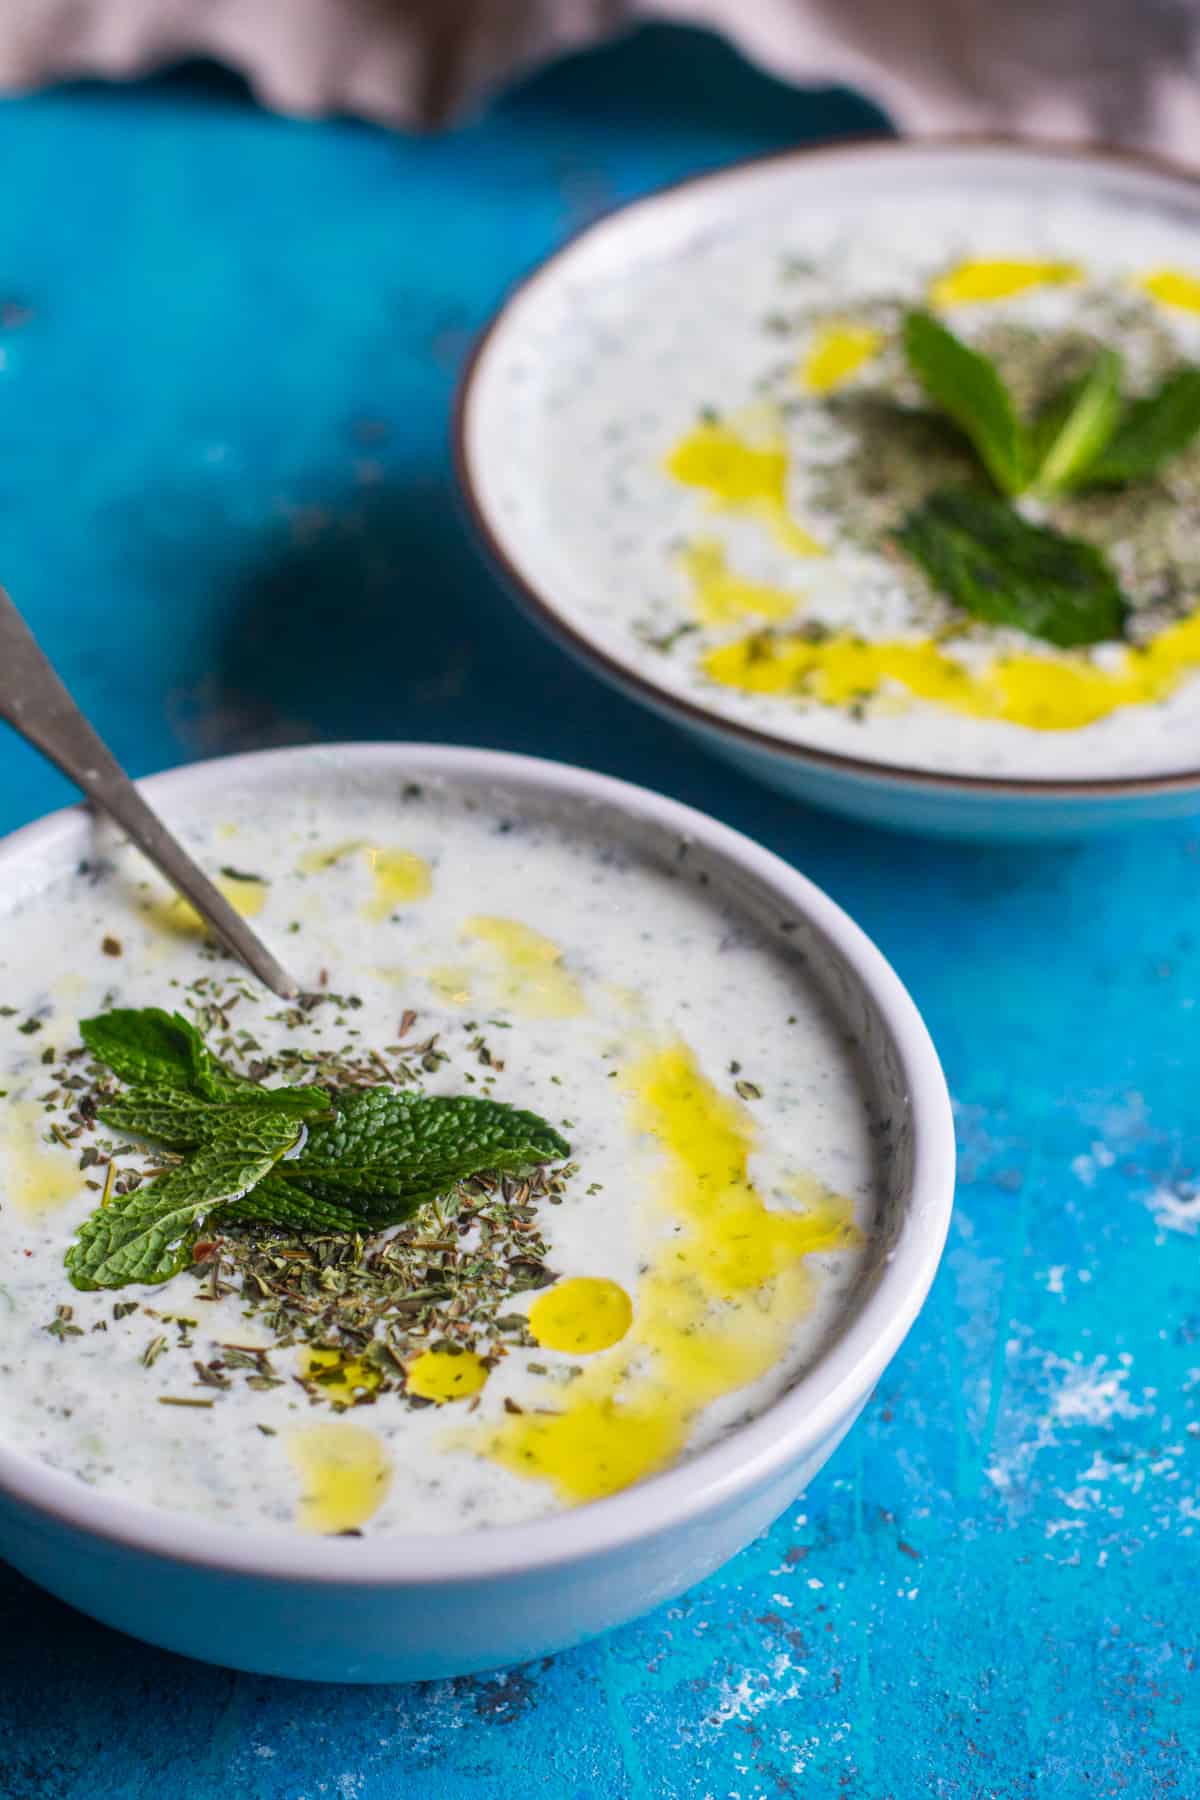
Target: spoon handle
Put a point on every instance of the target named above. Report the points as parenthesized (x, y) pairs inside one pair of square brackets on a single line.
[(35, 703)]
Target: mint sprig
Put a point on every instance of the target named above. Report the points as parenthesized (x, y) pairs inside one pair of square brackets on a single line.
[(975, 548), (1087, 436), (299, 1158)]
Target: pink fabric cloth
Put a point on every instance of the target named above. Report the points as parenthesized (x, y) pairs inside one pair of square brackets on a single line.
[(1123, 70)]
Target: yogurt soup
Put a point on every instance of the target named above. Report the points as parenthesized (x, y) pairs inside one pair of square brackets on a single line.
[(528, 1342), (712, 437)]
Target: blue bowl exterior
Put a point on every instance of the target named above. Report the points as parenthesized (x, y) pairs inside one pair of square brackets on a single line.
[(381, 1632), (933, 810), (930, 807)]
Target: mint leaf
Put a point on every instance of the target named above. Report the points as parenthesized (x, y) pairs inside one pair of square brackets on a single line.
[(394, 1201), (274, 1202), (153, 1048), (147, 1236), (967, 386), (146, 1045), (388, 1144), (1074, 429), (1153, 430), (987, 559), (179, 1122)]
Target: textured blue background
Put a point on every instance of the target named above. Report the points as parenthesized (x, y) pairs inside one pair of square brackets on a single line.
[(227, 350)]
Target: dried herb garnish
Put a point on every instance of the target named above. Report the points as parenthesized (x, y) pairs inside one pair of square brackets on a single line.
[(61, 1325), (350, 1159), (445, 1281), (365, 1297)]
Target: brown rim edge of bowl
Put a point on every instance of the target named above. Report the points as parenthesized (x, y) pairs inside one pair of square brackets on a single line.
[(619, 673)]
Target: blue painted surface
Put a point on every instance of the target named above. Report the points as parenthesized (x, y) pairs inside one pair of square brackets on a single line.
[(229, 344)]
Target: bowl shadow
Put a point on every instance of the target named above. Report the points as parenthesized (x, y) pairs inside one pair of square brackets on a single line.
[(371, 615)]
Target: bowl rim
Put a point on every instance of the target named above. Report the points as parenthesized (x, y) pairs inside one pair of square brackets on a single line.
[(692, 713), (799, 1420)]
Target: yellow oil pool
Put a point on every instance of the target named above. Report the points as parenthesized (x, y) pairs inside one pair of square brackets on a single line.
[(581, 1315), (839, 351), (723, 1289), (345, 1474), (529, 974), (398, 877), (446, 1375), (247, 896), (741, 475), (721, 597), (998, 278), (38, 1178), (1054, 691)]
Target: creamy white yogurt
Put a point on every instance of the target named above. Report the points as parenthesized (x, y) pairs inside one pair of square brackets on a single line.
[(615, 992), (708, 303)]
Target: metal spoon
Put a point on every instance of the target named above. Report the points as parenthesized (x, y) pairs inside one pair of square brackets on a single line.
[(35, 702)]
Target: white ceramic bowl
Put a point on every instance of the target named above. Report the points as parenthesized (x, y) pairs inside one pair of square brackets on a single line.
[(389, 1609), (499, 432)]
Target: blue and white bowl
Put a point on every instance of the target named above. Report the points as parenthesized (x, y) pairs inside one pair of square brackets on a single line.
[(603, 354), (391, 1608)]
